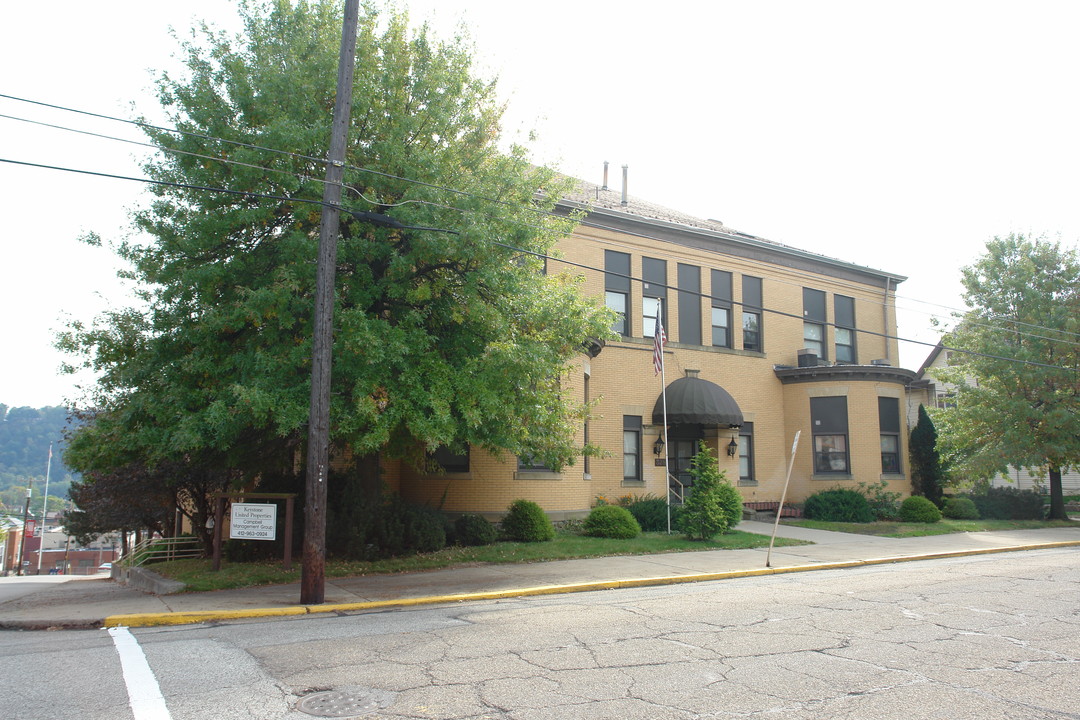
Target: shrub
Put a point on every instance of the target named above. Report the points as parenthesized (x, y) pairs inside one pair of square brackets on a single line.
[(472, 530), (1007, 503), (838, 505), (917, 509), (714, 506), (403, 528), (525, 521), (960, 508), (611, 521), (650, 512), (884, 503)]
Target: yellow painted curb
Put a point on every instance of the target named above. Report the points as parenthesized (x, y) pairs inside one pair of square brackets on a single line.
[(187, 618)]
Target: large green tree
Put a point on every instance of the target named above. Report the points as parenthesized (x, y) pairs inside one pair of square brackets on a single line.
[(1018, 381), (440, 338)]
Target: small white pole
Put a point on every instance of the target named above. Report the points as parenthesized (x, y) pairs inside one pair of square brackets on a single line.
[(44, 511), (783, 496)]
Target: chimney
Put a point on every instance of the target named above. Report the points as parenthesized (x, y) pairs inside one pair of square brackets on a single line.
[(605, 187), (624, 168)]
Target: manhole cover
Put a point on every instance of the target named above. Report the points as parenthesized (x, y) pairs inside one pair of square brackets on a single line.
[(343, 703)]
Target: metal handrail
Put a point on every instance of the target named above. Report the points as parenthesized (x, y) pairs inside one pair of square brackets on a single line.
[(680, 494), (154, 549)]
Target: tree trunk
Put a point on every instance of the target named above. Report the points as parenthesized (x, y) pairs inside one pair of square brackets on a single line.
[(1057, 497)]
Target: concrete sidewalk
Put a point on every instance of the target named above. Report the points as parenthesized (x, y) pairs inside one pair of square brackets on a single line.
[(99, 602)]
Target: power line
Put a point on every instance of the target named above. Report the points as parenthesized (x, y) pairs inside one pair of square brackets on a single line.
[(526, 252), (411, 181)]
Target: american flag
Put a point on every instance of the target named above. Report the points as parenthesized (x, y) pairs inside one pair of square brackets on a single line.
[(659, 341)]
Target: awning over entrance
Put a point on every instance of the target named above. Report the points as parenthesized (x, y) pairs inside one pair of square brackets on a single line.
[(691, 400)]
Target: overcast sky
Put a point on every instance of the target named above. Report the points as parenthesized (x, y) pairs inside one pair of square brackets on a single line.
[(900, 136)]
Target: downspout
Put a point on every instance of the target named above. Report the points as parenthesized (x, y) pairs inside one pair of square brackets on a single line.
[(885, 318)]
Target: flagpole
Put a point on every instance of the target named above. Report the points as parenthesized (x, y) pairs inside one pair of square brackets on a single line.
[(44, 508), (659, 340)]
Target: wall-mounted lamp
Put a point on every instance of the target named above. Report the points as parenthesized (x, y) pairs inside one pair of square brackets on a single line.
[(658, 446), (732, 448)]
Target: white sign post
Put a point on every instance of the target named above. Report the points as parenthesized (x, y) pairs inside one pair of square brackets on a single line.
[(253, 521)]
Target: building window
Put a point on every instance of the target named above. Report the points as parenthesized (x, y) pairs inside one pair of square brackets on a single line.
[(844, 313), (617, 301), (527, 463), (689, 304), (649, 307), (889, 424), (654, 295), (814, 321), (746, 454), (632, 447), (721, 308), (751, 316), (617, 288), (721, 327), (451, 461), (829, 421), (814, 338)]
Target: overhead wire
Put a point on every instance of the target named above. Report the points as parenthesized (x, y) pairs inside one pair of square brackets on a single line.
[(592, 225), (586, 223)]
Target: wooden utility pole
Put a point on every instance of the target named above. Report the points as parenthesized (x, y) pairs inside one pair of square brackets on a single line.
[(313, 575)]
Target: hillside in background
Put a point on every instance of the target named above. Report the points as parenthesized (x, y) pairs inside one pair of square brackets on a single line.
[(25, 434)]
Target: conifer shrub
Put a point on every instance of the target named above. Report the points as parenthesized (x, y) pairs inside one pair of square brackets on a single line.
[(838, 505), (960, 508), (916, 509), (714, 506), (472, 530), (611, 521), (404, 529), (525, 521)]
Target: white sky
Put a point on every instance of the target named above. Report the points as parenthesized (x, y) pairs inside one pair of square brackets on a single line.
[(901, 136)]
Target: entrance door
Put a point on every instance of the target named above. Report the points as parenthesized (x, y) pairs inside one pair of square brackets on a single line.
[(683, 448)]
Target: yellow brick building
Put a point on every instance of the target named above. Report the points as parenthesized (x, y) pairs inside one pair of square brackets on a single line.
[(764, 341)]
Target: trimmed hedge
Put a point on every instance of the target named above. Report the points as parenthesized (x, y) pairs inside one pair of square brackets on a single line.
[(960, 508), (525, 521), (611, 521), (1008, 503), (472, 530), (916, 509), (838, 505)]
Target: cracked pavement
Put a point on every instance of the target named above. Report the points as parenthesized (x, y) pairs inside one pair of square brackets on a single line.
[(974, 638)]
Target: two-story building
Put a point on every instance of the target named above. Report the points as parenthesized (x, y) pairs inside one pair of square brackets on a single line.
[(764, 341)]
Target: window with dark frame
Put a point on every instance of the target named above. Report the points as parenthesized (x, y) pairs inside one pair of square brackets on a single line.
[(844, 332), (746, 454), (829, 423), (751, 313), (689, 295), (617, 288), (889, 424), (654, 296), (632, 448), (814, 321), (721, 308), (451, 461)]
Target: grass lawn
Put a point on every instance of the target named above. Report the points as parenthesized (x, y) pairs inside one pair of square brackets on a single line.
[(198, 576), (900, 530)]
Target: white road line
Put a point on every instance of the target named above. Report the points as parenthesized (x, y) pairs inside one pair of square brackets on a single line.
[(144, 695)]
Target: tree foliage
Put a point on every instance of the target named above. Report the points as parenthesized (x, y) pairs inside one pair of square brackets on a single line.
[(439, 338), (1018, 381)]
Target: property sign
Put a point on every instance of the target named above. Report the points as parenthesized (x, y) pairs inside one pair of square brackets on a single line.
[(253, 521)]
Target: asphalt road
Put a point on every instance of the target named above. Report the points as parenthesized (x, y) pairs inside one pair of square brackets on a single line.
[(989, 637)]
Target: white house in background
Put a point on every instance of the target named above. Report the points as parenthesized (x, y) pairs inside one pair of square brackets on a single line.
[(927, 390)]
